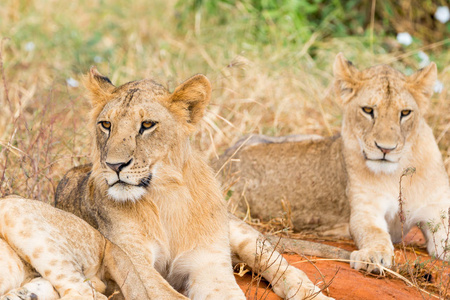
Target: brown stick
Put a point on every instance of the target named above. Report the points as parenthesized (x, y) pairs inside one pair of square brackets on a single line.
[(308, 248)]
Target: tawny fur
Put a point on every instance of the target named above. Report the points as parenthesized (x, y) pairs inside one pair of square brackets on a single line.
[(53, 254), (303, 173), (378, 147), (156, 198), (383, 133)]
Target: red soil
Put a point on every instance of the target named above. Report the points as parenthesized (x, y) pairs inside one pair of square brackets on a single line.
[(347, 283)]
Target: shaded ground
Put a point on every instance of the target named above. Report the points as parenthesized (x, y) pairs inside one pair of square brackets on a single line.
[(348, 283)]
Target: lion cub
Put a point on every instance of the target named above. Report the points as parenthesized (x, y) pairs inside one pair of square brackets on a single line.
[(152, 194), (355, 177), (46, 253)]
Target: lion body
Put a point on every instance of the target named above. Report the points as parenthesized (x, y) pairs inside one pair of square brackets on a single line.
[(45, 253), (393, 161), (265, 172), (151, 194), (355, 178)]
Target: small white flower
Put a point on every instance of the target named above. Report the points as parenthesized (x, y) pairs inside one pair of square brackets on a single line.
[(98, 59), (438, 87), (404, 38), (423, 56), (30, 46), (424, 59), (72, 82), (442, 14)]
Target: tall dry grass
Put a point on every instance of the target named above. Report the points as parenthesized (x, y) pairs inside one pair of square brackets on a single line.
[(256, 88)]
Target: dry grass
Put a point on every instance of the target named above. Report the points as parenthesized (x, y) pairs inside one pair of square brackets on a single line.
[(256, 89)]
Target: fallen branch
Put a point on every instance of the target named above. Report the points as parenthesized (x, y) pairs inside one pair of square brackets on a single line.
[(309, 248)]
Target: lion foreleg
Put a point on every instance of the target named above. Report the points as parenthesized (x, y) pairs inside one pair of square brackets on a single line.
[(210, 274), (256, 251), (15, 272), (40, 238), (118, 267), (142, 248), (434, 223), (11, 264), (370, 232)]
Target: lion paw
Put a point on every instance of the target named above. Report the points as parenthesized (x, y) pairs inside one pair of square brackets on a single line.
[(19, 294), (370, 260), (36, 289), (308, 292), (296, 286)]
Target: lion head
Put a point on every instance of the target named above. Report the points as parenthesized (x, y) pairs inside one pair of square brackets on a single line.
[(141, 132), (382, 110)]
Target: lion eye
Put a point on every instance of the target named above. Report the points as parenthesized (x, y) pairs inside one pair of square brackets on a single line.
[(106, 124), (146, 125), (405, 112), (368, 110)]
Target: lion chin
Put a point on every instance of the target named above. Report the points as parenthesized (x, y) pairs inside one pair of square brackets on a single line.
[(122, 192), (382, 166)]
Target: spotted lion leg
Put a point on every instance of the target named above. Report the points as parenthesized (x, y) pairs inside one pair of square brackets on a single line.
[(287, 281), (16, 271), (37, 289)]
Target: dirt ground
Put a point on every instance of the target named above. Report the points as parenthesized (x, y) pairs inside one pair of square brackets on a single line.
[(347, 283)]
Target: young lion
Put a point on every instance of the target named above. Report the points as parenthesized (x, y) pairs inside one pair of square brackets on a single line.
[(383, 133), (38, 239), (154, 196)]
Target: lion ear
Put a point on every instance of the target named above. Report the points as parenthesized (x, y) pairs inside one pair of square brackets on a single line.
[(346, 78), (100, 87), (189, 100), (421, 85)]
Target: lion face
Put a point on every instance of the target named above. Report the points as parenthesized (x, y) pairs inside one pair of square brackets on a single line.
[(383, 118), (382, 110), (141, 132), (133, 141)]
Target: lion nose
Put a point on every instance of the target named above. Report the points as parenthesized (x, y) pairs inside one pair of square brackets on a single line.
[(117, 167), (385, 149)]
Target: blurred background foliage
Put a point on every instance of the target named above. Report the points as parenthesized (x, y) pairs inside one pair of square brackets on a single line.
[(295, 21), (90, 32), (278, 24), (269, 62)]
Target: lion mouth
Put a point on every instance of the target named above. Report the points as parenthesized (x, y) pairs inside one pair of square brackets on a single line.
[(119, 182), (145, 182), (381, 160)]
